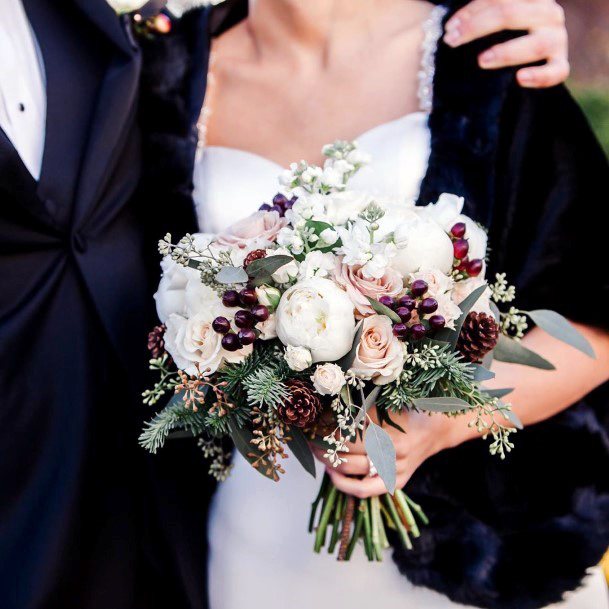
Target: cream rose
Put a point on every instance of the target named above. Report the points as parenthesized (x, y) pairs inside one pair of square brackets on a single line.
[(379, 357), (464, 288), (297, 358), (328, 379), (318, 315), (358, 286), (259, 229), (170, 296)]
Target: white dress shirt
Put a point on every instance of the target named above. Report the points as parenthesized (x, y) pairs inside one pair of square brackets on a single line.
[(22, 86)]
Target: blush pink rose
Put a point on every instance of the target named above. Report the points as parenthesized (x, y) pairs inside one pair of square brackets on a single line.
[(357, 286), (380, 355), (256, 230)]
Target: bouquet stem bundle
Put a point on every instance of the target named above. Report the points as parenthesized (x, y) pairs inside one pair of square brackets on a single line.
[(347, 520)]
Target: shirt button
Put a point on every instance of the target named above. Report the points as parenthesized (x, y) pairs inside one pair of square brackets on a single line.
[(80, 243)]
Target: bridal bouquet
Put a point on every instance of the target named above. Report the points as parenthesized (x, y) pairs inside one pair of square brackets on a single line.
[(320, 317)]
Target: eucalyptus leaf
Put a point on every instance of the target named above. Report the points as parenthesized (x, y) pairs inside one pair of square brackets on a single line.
[(441, 404), (466, 305), (301, 450), (560, 328), (381, 309), (487, 360), (513, 418), (242, 437), (498, 393), (381, 452), (231, 274), (265, 267), (369, 402), (481, 373), (512, 352)]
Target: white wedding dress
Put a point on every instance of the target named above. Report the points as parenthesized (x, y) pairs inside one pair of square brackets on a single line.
[(261, 554)]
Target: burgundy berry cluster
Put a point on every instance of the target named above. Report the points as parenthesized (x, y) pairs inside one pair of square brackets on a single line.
[(472, 268), (281, 204), (414, 300), (245, 318)]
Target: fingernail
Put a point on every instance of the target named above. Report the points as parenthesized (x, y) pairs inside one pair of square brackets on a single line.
[(525, 78), (452, 38), (453, 24), (488, 58)]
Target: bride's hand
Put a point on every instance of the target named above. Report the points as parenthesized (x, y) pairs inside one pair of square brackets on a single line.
[(546, 40), (425, 436)]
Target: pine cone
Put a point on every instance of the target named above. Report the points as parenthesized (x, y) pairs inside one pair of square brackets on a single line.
[(253, 255), (156, 342), (479, 335), (303, 405)]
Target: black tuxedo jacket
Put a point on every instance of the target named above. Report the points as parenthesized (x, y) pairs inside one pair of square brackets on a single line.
[(87, 520), (503, 535)]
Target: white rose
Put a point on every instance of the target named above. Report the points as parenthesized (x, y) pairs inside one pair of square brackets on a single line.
[(170, 296), (287, 272), (318, 315), (126, 6), (328, 379), (422, 243), (268, 328), (380, 355), (297, 358), (194, 345), (438, 282)]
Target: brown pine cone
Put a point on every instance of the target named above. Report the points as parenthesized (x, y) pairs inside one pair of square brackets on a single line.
[(303, 405), (479, 335), (156, 342), (253, 255)]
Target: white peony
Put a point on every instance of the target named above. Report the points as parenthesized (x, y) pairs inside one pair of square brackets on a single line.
[(447, 212), (328, 379), (422, 243), (318, 315), (126, 6), (297, 358)]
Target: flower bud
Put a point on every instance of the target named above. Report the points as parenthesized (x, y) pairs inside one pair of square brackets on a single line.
[(268, 296)]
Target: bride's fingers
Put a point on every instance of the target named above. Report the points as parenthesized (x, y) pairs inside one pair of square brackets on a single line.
[(356, 465), (360, 488), (503, 16), (553, 73), (544, 43)]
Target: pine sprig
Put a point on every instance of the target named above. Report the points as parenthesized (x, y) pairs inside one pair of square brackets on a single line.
[(174, 416)]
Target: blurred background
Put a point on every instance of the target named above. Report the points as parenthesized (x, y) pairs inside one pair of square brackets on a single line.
[(588, 25)]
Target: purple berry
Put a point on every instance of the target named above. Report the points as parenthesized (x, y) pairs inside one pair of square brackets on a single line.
[(244, 319), (428, 305), (474, 267), (231, 342), (408, 301), (221, 325), (387, 301), (437, 322), (404, 314), (419, 287), (458, 230), (248, 297), (260, 312), (230, 298), (247, 336), (280, 200), (417, 331), (460, 248), (278, 209), (400, 330), (264, 207)]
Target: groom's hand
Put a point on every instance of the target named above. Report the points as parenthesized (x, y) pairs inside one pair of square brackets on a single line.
[(547, 39)]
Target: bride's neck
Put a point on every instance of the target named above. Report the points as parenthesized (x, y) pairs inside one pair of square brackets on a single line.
[(318, 24)]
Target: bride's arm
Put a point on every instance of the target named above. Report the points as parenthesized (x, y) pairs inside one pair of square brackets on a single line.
[(547, 40), (537, 395)]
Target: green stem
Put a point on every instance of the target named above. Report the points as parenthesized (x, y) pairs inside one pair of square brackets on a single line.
[(375, 516), (418, 509), (399, 525), (338, 516), (400, 498), (322, 491), (320, 536), (368, 531), (357, 531)]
